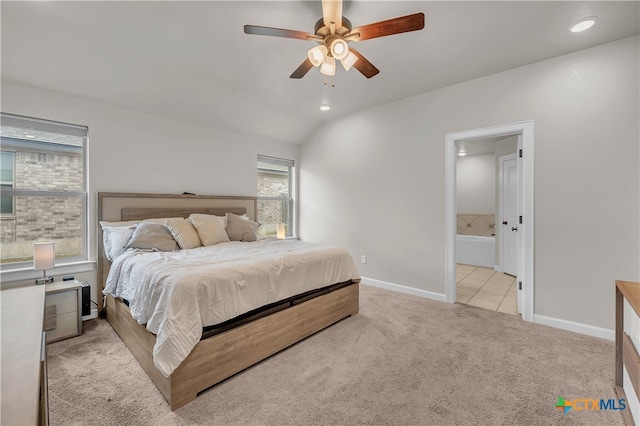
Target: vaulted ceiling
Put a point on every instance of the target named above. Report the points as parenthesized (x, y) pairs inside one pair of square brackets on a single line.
[(191, 61)]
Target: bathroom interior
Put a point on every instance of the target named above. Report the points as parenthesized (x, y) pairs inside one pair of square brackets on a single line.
[(481, 280)]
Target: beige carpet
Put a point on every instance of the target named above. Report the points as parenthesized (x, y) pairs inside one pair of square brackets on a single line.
[(403, 360)]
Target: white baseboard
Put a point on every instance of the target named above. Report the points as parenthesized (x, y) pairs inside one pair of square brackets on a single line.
[(92, 315), (404, 289), (497, 268), (589, 330), (576, 327)]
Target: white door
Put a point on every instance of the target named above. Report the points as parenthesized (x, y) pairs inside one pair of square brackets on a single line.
[(509, 227)]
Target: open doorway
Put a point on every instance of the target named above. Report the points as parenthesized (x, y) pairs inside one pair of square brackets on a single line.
[(524, 276), (486, 202)]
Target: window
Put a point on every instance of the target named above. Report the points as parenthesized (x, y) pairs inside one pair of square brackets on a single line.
[(6, 181), (275, 202), (44, 198)]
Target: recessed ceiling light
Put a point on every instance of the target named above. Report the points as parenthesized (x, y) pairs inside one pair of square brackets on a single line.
[(325, 107), (583, 24), (29, 136), (462, 153)]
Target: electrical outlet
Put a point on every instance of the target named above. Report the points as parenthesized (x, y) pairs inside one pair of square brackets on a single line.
[(363, 259)]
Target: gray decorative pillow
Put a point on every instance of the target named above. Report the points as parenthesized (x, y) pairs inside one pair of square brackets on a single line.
[(240, 229), (152, 236)]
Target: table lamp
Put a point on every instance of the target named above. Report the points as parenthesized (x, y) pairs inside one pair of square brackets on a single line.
[(44, 257)]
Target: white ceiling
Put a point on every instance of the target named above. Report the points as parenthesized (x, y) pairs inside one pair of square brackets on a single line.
[(191, 61)]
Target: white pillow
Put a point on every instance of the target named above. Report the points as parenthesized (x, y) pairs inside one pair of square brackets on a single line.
[(184, 233), (104, 223), (115, 236), (210, 228)]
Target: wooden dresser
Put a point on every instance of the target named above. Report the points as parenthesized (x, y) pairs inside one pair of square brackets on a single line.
[(627, 348), (24, 382)]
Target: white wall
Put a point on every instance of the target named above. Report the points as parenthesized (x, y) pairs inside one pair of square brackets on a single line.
[(476, 184), (374, 180), (130, 151)]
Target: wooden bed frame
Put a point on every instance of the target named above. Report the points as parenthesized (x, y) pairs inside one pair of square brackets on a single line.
[(223, 355)]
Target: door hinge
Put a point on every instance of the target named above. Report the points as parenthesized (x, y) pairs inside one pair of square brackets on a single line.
[(520, 153), (519, 285), (520, 219)]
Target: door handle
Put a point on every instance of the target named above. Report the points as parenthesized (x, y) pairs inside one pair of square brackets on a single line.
[(504, 223), (515, 228)]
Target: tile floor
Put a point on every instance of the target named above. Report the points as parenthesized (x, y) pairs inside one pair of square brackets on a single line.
[(486, 288)]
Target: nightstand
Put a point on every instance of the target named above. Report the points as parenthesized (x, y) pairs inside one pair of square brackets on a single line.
[(63, 312)]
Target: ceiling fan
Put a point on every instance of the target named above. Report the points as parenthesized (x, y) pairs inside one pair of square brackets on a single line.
[(333, 32)]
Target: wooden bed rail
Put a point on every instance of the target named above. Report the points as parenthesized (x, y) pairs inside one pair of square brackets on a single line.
[(234, 350)]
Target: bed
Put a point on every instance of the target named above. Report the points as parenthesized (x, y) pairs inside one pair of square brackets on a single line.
[(234, 343)]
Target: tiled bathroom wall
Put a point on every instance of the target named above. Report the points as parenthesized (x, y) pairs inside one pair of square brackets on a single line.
[(476, 224)]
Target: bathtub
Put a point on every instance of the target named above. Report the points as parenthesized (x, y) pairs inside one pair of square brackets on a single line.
[(476, 250)]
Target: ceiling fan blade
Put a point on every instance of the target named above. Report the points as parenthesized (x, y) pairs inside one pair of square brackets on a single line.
[(302, 69), (363, 65), (399, 25), (278, 32), (332, 12)]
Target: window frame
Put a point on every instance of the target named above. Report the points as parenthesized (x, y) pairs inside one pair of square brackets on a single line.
[(50, 126), (290, 229)]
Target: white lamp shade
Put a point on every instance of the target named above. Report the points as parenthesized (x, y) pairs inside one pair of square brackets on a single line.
[(317, 54), (348, 61), (339, 48), (44, 256), (328, 66), (281, 231)]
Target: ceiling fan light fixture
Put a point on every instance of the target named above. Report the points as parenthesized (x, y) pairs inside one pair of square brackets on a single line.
[(317, 54), (348, 61), (339, 48), (328, 66), (332, 33)]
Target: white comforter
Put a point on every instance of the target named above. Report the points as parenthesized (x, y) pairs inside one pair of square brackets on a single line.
[(176, 294)]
